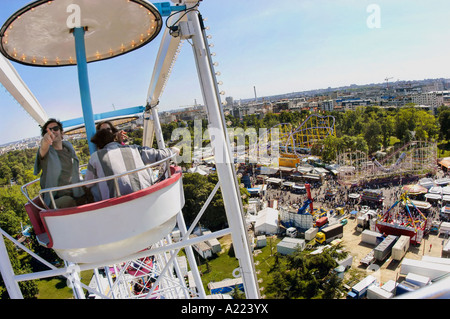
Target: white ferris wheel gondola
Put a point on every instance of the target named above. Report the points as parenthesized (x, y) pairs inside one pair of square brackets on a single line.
[(110, 229)]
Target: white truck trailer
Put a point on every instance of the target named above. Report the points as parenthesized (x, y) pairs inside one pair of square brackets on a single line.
[(401, 247), (360, 289), (444, 228), (418, 280), (370, 237), (311, 233), (375, 292), (424, 268), (382, 251)]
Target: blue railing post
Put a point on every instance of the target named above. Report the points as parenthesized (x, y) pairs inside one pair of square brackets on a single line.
[(83, 81)]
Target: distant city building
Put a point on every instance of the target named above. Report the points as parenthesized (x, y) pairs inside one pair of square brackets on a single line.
[(327, 105), (352, 104), (432, 99), (167, 117), (229, 100)]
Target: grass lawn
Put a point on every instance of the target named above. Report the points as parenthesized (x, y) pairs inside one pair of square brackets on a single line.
[(56, 287), (221, 267)]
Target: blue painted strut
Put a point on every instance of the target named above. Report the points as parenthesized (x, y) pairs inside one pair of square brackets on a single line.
[(83, 81), (166, 9)]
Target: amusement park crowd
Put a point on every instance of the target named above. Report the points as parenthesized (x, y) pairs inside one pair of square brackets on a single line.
[(329, 200)]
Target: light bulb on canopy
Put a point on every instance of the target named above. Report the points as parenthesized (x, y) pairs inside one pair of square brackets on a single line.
[(68, 32), (40, 34)]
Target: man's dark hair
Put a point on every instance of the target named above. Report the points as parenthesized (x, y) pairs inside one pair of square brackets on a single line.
[(102, 137), (44, 127)]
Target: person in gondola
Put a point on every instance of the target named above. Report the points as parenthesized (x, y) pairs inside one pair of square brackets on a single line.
[(113, 158), (120, 136), (59, 164)]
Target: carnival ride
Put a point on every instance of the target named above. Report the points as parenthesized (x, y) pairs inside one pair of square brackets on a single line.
[(305, 216), (407, 220), (413, 158), (120, 233), (308, 202)]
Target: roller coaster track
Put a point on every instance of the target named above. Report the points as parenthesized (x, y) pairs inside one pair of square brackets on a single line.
[(314, 128), (415, 157)]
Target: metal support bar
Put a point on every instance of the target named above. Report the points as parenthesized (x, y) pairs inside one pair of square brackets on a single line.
[(83, 81), (191, 258), (186, 235), (222, 155), (7, 273)]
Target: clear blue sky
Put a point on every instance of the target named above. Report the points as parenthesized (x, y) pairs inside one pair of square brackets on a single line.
[(278, 46)]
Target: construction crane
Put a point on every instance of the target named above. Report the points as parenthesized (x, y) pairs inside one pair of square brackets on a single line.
[(387, 82)]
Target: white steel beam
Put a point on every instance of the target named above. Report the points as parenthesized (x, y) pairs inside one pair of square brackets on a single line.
[(222, 156), (12, 81), (164, 63), (7, 273)]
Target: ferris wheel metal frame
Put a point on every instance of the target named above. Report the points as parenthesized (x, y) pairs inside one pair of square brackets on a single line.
[(168, 280)]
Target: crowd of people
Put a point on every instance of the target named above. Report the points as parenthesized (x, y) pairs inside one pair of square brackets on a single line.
[(330, 195), (58, 164)]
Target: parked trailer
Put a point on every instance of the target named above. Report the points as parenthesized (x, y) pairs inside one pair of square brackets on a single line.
[(390, 286), (405, 287), (400, 248), (330, 233), (424, 268), (375, 292), (382, 251), (346, 262), (369, 258), (418, 280), (360, 289), (444, 228), (311, 233), (371, 237), (446, 249), (437, 260)]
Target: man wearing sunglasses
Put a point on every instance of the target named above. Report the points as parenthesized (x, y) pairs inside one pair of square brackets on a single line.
[(59, 164)]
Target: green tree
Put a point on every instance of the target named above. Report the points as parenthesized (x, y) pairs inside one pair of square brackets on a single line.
[(10, 222), (387, 130), (444, 124), (197, 189), (372, 135), (302, 275), (12, 199)]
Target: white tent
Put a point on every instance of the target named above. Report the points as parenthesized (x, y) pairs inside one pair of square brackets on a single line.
[(435, 190), (446, 190), (267, 222), (197, 170)]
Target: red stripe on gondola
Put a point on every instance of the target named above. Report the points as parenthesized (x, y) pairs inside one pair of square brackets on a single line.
[(176, 175)]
